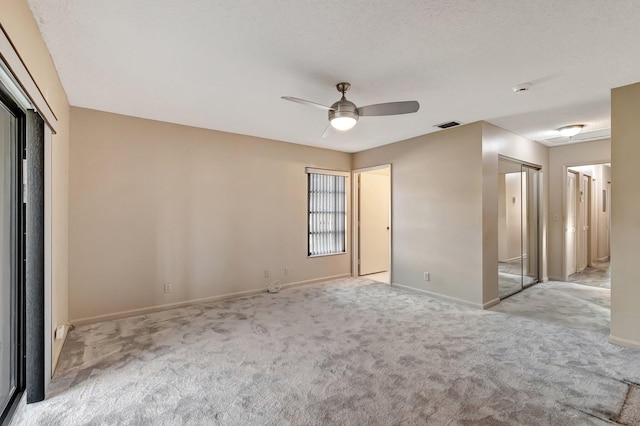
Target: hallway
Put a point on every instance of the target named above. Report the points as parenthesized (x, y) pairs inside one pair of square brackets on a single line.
[(597, 275)]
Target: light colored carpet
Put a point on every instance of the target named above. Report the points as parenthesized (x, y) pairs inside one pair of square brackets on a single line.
[(597, 275), (347, 352), (509, 284)]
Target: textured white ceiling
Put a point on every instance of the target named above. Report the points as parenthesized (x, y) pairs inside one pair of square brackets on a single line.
[(224, 64)]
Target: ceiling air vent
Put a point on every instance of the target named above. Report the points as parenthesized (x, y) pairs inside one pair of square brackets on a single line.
[(447, 125)]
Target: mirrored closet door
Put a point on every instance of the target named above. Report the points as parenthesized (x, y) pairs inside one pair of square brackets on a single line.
[(518, 226)]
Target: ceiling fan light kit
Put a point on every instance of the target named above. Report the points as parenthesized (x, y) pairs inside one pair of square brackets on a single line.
[(344, 114), (571, 131)]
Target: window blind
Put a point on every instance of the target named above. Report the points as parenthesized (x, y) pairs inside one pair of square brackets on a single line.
[(327, 214)]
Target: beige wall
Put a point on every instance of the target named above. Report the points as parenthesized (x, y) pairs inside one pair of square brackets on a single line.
[(559, 159), (436, 210), (445, 207), (17, 21), (625, 211), (496, 142), (153, 202)]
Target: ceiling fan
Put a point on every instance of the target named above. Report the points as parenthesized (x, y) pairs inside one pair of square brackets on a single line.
[(344, 114)]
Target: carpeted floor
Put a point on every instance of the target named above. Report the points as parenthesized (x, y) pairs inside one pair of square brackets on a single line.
[(596, 275), (348, 352)]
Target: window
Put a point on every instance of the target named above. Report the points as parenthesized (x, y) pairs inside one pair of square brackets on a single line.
[(327, 212), (11, 255)]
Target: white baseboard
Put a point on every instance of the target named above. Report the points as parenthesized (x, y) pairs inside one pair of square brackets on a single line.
[(491, 303), (624, 342), (555, 279), (55, 365), (167, 306), (439, 296)]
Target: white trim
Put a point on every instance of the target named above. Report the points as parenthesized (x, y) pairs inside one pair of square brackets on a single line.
[(603, 259), (551, 278), (28, 86), (513, 259), (12, 86), (521, 162), (167, 306), (67, 328), (309, 170), (313, 256), (491, 303), (440, 296), (355, 237), (372, 168), (624, 342)]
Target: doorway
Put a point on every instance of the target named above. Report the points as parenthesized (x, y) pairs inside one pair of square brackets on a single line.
[(518, 226), (586, 231), (571, 225), (372, 217)]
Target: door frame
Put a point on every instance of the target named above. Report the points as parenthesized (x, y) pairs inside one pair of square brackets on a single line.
[(565, 217), (355, 217), (540, 232), (563, 234), (588, 199)]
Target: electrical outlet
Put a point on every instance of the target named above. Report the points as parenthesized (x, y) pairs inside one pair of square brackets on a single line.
[(266, 273), (286, 271), (168, 287), (427, 276)]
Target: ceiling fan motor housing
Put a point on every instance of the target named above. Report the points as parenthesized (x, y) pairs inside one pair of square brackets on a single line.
[(343, 108)]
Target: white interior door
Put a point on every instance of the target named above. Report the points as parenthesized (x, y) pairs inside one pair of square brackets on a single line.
[(583, 223), (570, 226), (593, 224), (531, 217), (608, 221), (374, 198)]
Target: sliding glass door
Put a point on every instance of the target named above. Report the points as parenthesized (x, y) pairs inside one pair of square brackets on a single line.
[(518, 226), (11, 281)]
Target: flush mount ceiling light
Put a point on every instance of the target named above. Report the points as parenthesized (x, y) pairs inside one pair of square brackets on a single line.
[(571, 131)]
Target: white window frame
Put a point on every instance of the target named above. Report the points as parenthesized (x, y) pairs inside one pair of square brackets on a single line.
[(338, 228)]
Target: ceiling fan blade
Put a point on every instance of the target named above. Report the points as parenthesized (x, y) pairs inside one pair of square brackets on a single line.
[(309, 103), (329, 132), (389, 108)]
